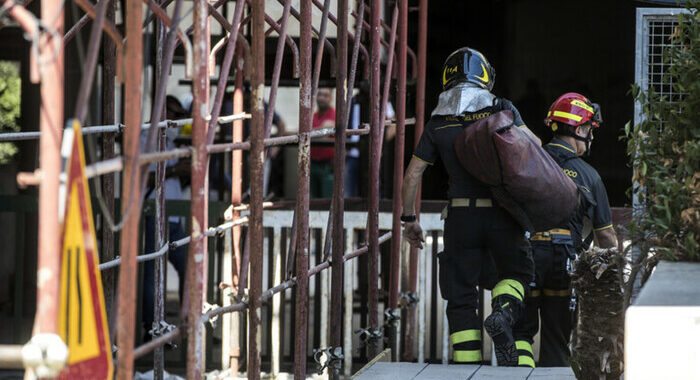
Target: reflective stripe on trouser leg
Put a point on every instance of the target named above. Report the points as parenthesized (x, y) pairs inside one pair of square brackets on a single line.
[(466, 345), (525, 356), (509, 287)]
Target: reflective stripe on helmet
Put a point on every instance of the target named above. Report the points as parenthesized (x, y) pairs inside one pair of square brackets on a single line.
[(567, 115)]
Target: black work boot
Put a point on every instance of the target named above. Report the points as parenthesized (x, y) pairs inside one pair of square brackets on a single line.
[(499, 325)]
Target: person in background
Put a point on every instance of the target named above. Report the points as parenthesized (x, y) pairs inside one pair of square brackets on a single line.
[(175, 171), (322, 156)]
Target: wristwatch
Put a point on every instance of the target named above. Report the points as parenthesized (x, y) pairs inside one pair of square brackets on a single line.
[(408, 218)]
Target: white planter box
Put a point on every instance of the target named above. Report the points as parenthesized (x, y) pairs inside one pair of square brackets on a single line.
[(662, 328)]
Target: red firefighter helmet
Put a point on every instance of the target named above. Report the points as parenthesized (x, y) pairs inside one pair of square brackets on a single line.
[(573, 110)]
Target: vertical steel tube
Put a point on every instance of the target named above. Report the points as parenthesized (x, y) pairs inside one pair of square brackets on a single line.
[(130, 201), (323, 296), (277, 69), (51, 125), (159, 264), (388, 70), (236, 190), (109, 63), (348, 288), (225, 68), (197, 255), (398, 171), (275, 354), (302, 208), (420, 120), (319, 48), (257, 162), (374, 159), (341, 104)]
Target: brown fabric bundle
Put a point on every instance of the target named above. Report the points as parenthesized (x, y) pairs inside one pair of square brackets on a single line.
[(524, 179)]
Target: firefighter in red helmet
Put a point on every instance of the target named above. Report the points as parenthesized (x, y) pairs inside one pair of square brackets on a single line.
[(573, 120)]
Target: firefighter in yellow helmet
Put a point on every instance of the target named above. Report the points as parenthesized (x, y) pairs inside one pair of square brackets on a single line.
[(478, 233)]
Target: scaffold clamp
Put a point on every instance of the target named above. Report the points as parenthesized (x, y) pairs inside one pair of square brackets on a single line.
[(333, 358), (408, 299), (160, 329)]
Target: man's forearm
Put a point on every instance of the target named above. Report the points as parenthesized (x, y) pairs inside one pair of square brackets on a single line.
[(408, 195), (606, 238), (409, 189)]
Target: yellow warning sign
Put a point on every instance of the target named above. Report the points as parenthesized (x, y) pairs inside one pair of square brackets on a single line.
[(82, 321)]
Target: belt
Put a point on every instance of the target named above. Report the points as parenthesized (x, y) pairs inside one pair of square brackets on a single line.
[(467, 202), (547, 235)]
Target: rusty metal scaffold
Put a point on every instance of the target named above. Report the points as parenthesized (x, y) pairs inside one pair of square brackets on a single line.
[(244, 49)]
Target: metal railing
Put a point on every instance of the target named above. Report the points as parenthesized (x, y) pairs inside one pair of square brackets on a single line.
[(46, 67)]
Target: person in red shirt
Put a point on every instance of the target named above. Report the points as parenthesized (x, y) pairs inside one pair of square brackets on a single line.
[(322, 154)]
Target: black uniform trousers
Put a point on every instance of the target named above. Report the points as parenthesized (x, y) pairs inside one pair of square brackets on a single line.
[(483, 245), (549, 302)]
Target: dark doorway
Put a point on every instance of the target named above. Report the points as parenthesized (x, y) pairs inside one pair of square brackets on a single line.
[(541, 49)]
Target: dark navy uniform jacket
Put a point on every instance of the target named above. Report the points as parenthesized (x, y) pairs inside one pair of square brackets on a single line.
[(438, 140), (595, 206)]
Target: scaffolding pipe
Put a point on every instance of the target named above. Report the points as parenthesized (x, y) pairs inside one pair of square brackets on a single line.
[(109, 63), (302, 206), (257, 163), (93, 50), (319, 49), (133, 58), (420, 121), (108, 27), (197, 254), (274, 25), (119, 128), (236, 194), (160, 264), (277, 69), (374, 346), (394, 277), (51, 122), (338, 207), (225, 69)]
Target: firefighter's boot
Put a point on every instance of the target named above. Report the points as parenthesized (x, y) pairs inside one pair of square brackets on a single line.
[(507, 304)]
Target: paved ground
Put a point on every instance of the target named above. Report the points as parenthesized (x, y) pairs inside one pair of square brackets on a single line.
[(391, 371)]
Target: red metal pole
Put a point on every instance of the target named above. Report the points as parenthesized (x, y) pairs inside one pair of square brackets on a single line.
[(133, 58), (374, 159), (302, 208), (398, 170), (257, 163), (236, 185), (51, 126), (420, 120), (341, 104), (197, 256)]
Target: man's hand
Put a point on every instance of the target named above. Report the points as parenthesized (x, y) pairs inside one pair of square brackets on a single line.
[(414, 234)]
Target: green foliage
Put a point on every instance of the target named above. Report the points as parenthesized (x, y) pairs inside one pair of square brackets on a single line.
[(10, 97), (665, 149)]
